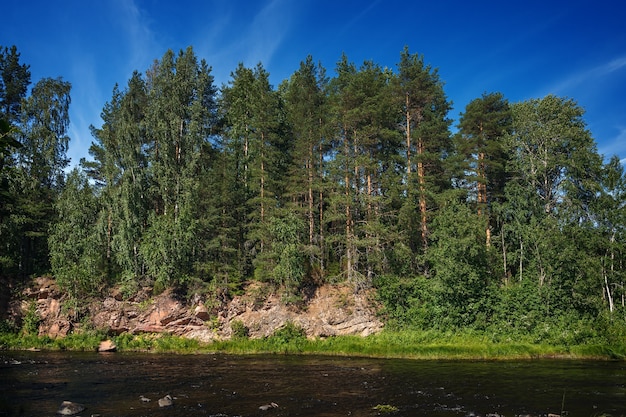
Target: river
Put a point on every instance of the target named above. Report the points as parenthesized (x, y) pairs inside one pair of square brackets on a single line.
[(35, 384)]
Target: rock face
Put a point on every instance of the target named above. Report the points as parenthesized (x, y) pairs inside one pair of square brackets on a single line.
[(329, 310), (47, 298)]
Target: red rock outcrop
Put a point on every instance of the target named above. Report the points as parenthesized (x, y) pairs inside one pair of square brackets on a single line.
[(328, 311)]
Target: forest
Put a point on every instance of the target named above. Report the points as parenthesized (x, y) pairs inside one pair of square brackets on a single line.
[(509, 222)]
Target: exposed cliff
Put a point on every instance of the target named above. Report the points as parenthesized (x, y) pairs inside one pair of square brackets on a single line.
[(327, 311)]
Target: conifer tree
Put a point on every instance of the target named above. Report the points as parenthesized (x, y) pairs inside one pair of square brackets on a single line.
[(425, 127), (180, 116), (305, 95), (253, 118), (483, 127), (41, 160), (14, 82)]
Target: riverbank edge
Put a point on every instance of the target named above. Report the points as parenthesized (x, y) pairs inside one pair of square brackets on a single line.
[(400, 345)]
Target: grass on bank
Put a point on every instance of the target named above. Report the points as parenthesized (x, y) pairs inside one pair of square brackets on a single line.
[(291, 340)]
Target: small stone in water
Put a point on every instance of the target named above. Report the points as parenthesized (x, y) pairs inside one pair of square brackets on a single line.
[(69, 408), (268, 406), (165, 401)]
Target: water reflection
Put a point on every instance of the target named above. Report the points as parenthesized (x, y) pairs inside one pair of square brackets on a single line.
[(35, 384)]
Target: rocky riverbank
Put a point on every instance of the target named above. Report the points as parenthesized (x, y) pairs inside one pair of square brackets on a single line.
[(329, 310)]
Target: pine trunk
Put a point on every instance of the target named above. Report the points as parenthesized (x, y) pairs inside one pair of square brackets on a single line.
[(421, 174)]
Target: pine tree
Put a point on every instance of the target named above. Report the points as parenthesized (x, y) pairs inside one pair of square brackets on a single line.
[(14, 82), (483, 127), (428, 142), (366, 145), (305, 96), (253, 118)]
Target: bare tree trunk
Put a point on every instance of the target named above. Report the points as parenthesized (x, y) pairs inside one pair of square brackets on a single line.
[(506, 278), (262, 180), (321, 209), (421, 175), (310, 195), (348, 210), (606, 280), (482, 194), (408, 139), (370, 217)]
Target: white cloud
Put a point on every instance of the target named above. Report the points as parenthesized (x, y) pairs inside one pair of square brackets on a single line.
[(589, 75), (358, 17), (267, 31), (616, 145), (228, 38), (138, 39)]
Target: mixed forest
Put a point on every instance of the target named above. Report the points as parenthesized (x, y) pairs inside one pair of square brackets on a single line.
[(508, 222)]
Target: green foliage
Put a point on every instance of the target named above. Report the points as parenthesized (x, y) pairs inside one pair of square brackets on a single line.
[(407, 302), (239, 330), (385, 408), (87, 341), (514, 231), (8, 326), (288, 334), (283, 261), (162, 343), (31, 320), (459, 260), (75, 254)]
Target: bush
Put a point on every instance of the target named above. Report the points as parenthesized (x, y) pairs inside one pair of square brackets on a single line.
[(289, 333), (239, 330), (30, 322), (7, 326)]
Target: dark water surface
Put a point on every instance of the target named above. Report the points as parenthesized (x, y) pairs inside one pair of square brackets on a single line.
[(35, 384)]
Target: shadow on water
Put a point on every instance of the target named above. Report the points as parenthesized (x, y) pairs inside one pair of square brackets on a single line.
[(35, 384)]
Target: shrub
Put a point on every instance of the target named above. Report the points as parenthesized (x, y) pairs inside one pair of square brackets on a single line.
[(30, 322), (239, 330), (289, 333)]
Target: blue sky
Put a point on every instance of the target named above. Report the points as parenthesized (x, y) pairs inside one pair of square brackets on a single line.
[(575, 49)]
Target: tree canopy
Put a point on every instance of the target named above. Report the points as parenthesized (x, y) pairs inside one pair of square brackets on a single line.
[(514, 224)]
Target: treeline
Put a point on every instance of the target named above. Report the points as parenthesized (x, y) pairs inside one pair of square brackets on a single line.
[(512, 224)]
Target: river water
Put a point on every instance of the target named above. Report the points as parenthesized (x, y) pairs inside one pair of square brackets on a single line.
[(35, 384)]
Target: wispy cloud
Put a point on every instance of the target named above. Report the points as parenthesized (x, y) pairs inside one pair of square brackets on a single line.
[(615, 145), (88, 100), (267, 31), (229, 38), (358, 17), (595, 74), (137, 38)]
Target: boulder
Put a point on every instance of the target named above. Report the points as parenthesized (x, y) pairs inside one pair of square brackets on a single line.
[(202, 313), (107, 346), (56, 329)]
